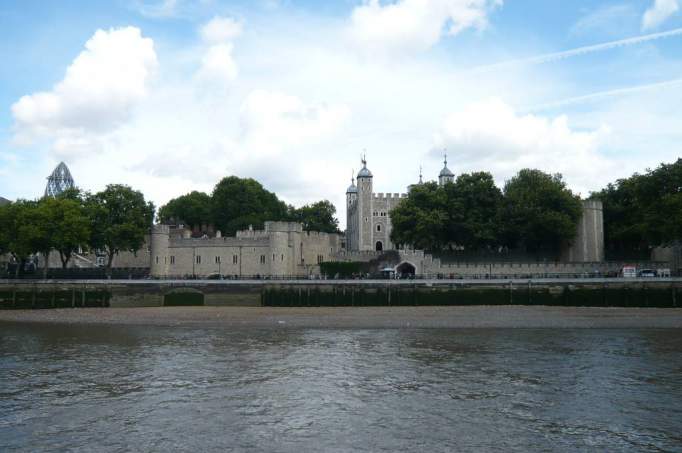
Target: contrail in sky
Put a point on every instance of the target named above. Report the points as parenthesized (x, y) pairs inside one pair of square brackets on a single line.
[(549, 57), (603, 94)]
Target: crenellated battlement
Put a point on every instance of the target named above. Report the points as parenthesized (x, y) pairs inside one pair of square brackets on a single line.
[(388, 195), (219, 242), (252, 234)]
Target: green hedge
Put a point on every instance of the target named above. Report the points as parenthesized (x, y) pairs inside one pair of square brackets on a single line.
[(343, 269)]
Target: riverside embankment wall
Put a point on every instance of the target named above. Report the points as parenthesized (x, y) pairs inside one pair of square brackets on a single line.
[(562, 292)]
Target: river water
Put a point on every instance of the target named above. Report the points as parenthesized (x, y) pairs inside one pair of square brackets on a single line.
[(186, 389)]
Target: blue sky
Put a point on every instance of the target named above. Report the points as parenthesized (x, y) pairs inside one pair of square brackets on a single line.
[(169, 96)]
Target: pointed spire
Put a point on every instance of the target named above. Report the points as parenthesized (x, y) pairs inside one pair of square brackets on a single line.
[(445, 172), (420, 175), (352, 188), (364, 171)]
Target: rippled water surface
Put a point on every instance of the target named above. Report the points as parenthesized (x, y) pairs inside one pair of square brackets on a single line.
[(181, 389)]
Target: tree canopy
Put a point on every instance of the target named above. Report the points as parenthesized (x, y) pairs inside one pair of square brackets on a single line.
[(236, 203), (539, 211), (194, 209), (473, 211), (421, 218), (71, 225), (644, 210), (536, 211), (240, 202), (14, 239), (319, 216), (120, 219)]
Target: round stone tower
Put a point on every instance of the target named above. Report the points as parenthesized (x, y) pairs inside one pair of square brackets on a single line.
[(160, 244)]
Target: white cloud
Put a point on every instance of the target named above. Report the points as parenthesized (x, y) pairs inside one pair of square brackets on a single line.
[(218, 68), (157, 8), (611, 20), (272, 121), (491, 135), (412, 25), (658, 13), (220, 30), (97, 94), (217, 65)]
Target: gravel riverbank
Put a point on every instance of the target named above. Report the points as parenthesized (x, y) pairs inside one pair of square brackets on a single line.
[(360, 317)]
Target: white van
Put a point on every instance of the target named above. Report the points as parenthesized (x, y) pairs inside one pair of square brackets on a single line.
[(628, 272)]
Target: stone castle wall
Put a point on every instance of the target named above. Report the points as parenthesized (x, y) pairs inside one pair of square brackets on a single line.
[(281, 249)]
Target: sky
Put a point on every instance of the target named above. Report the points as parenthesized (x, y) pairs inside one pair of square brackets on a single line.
[(170, 96)]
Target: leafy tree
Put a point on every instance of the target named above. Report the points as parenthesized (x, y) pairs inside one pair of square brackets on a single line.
[(420, 219), (473, 205), (623, 230), (70, 225), (644, 210), (16, 236), (238, 203), (539, 212), (319, 216), (192, 209), (120, 219), (36, 231)]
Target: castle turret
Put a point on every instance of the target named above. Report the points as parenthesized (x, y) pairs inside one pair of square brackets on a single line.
[(160, 242), (364, 207), (421, 180), (445, 175), (351, 224)]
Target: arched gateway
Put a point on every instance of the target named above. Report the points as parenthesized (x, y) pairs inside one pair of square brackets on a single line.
[(405, 268)]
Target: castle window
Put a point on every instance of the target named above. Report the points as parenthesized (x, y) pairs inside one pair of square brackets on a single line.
[(157, 260), (273, 257), (379, 246), (235, 258), (366, 219), (217, 259), (262, 259), (282, 256), (198, 259), (320, 258), (378, 227), (172, 259)]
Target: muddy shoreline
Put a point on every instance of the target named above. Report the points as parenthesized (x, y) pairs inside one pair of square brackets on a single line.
[(358, 317)]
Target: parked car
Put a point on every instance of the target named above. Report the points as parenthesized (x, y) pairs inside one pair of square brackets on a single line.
[(628, 272), (647, 273)]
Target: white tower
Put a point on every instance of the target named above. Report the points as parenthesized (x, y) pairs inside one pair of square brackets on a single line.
[(364, 207)]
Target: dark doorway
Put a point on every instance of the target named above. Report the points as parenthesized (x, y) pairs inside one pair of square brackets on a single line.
[(379, 246), (405, 269)]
